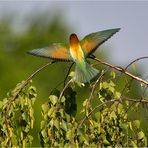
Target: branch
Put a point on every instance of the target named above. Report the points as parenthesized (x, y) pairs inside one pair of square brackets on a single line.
[(106, 102), (30, 77), (95, 84), (120, 69), (68, 73), (26, 82), (83, 120), (61, 94), (21, 88), (135, 61)]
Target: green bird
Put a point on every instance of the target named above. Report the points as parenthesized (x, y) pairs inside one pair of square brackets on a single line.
[(77, 51)]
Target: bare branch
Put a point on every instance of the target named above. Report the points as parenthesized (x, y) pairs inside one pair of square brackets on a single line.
[(30, 77), (21, 88), (68, 73), (135, 61), (120, 69), (61, 94)]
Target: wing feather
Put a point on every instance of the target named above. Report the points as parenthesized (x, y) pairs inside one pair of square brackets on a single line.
[(92, 41), (56, 51)]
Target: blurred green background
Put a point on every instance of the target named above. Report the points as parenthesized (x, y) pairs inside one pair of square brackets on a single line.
[(39, 30), (16, 65)]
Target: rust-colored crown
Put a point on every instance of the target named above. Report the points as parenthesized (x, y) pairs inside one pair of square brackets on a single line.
[(73, 39)]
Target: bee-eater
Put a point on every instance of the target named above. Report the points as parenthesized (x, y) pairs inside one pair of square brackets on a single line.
[(77, 51)]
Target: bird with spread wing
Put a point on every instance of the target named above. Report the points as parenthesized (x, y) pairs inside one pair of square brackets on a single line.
[(77, 51)]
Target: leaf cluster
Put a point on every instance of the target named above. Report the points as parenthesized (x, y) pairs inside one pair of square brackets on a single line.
[(16, 118), (107, 123), (103, 124)]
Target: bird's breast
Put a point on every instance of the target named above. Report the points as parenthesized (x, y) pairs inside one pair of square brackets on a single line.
[(77, 53)]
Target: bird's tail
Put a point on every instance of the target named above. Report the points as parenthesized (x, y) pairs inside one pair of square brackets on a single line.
[(85, 75)]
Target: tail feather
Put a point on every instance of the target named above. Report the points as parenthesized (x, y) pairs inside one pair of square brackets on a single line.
[(85, 75)]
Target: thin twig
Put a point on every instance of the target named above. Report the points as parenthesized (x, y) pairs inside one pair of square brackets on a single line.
[(135, 61), (95, 84), (83, 120), (30, 77), (132, 100), (121, 70), (61, 94), (68, 73), (21, 88), (106, 102), (127, 85), (26, 82)]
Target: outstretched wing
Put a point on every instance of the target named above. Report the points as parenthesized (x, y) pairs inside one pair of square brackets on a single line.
[(56, 51), (92, 41)]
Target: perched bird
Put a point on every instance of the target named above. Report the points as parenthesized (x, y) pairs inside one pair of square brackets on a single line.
[(77, 51)]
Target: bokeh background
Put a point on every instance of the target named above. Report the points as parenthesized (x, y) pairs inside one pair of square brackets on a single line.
[(33, 24)]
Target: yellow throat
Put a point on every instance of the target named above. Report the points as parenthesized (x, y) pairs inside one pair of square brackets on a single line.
[(75, 48)]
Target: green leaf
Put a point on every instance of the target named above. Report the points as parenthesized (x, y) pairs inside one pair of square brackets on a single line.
[(134, 67), (14, 140), (105, 141), (97, 116), (134, 144), (67, 117), (124, 125), (71, 74), (51, 111), (117, 95), (64, 125), (137, 123), (105, 85), (120, 108), (43, 132), (85, 102), (43, 123), (113, 115), (111, 83), (130, 126), (45, 108), (51, 122), (57, 124), (141, 135), (86, 142), (53, 99), (68, 135), (63, 99), (113, 74), (112, 89)]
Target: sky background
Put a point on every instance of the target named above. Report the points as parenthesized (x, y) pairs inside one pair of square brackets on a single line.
[(91, 16)]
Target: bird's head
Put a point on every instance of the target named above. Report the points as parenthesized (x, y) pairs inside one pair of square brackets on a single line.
[(74, 41)]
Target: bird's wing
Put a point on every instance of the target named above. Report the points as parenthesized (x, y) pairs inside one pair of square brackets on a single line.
[(56, 51), (92, 41)]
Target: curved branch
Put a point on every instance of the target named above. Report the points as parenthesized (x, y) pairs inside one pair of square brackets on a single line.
[(30, 77), (135, 61), (27, 81), (68, 73), (120, 69), (94, 85), (113, 100), (21, 88), (61, 94)]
